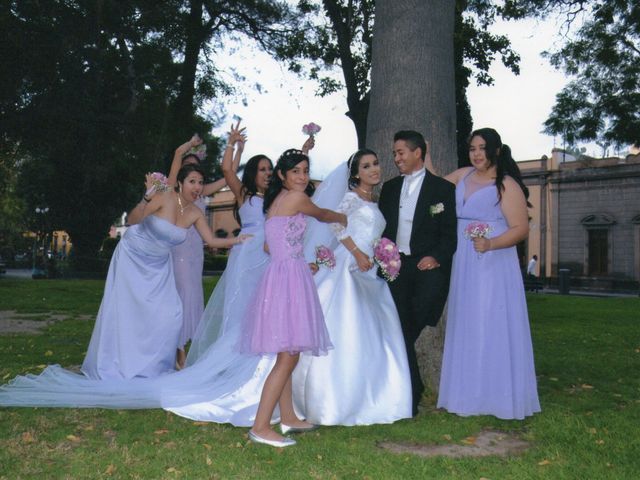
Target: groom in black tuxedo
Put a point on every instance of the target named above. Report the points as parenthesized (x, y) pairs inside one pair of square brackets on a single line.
[(420, 211)]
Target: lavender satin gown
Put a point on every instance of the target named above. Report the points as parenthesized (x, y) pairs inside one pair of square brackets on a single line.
[(188, 260), (138, 324), (487, 366)]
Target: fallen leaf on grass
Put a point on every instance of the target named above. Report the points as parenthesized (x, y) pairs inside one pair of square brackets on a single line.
[(42, 366), (201, 423), (27, 437), (207, 446), (161, 431), (110, 469), (447, 437), (553, 379), (209, 461), (48, 353), (544, 462), (600, 442), (469, 440), (6, 376), (592, 431), (172, 470), (73, 438), (586, 386)]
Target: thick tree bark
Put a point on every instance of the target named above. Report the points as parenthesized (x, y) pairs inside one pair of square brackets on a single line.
[(412, 87)]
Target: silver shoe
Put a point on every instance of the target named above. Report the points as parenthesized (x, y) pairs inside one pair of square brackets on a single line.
[(287, 429), (286, 442)]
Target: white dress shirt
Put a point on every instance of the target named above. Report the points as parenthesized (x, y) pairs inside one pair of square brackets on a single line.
[(408, 199)]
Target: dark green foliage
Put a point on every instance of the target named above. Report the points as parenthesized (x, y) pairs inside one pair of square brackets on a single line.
[(603, 58)]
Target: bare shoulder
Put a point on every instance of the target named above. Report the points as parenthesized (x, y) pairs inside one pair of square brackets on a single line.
[(457, 175)]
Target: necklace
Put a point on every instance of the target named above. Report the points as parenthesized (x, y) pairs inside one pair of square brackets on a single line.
[(367, 193), (180, 205)]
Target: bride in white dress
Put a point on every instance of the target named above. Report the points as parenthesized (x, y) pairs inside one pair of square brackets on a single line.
[(365, 379)]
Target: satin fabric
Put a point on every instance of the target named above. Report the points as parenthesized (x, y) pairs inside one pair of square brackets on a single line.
[(487, 366), (365, 379)]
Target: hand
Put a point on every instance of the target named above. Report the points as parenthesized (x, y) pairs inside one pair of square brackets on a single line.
[(195, 140), (308, 145), (237, 134), (364, 262), (242, 238), (148, 183), (428, 263), (314, 268), (482, 244)]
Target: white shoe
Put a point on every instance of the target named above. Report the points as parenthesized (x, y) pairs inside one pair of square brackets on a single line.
[(287, 429), (286, 442)]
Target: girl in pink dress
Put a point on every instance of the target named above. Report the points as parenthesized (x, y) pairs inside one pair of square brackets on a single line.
[(285, 316)]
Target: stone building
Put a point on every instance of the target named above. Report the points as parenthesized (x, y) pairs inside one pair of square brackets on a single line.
[(585, 218)]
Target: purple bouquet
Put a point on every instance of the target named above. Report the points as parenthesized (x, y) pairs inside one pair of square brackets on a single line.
[(324, 256), (387, 256), (311, 129), (159, 182), (199, 151)]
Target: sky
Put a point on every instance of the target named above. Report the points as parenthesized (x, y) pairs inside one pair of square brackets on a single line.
[(516, 106)]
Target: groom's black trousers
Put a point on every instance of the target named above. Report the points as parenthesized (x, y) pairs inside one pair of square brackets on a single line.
[(420, 296)]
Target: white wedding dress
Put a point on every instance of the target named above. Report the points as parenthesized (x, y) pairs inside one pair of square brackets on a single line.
[(365, 379)]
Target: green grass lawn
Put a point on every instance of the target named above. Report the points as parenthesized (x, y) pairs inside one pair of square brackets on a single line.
[(587, 359)]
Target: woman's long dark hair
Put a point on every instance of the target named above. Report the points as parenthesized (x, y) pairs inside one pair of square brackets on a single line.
[(354, 165), (287, 161), (249, 187), (499, 154)]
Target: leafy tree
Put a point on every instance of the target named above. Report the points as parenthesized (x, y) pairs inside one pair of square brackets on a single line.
[(339, 33), (95, 94), (603, 58)]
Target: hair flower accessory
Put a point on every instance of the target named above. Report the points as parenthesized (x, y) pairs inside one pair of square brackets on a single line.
[(325, 256), (387, 257), (311, 129), (436, 209)]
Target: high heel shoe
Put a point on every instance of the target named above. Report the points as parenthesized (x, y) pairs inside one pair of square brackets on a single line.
[(286, 442), (287, 429)]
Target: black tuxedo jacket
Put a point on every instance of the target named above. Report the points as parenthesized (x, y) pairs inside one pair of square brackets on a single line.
[(431, 235)]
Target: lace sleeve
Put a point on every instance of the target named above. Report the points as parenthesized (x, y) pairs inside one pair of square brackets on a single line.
[(350, 202)]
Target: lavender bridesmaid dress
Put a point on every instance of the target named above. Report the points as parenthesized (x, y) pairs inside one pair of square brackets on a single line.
[(487, 367), (188, 260)]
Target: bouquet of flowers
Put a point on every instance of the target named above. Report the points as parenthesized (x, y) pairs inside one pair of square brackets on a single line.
[(325, 256), (158, 183), (311, 129), (477, 230), (387, 256), (199, 151)]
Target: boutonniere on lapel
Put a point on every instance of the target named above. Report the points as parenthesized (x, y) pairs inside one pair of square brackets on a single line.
[(436, 208)]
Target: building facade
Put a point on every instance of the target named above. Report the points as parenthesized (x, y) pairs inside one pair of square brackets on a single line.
[(585, 218)]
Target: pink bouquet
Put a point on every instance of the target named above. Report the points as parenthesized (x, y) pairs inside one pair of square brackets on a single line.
[(387, 256), (159, 182), (311, 129), (477, 230), (324, 256)]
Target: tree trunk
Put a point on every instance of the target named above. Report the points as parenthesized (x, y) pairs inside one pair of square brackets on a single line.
[(412, 87)]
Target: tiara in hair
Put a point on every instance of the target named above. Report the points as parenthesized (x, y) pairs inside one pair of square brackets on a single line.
[(350, 161)]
